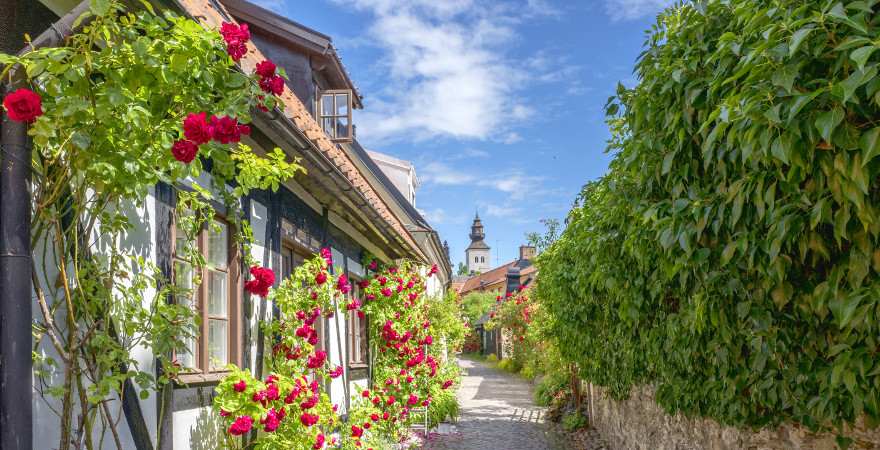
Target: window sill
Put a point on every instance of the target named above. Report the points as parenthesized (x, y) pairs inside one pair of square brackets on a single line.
[(189, 379), (358, 366)]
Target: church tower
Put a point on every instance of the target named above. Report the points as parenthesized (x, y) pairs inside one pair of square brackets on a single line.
[(478, 254)]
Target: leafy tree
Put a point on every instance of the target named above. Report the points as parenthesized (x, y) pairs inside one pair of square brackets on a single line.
[(475, 304), (545, 240), (462, 269)]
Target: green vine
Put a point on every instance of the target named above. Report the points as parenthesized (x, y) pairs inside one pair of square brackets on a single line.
[(105, 112), (730, 255)]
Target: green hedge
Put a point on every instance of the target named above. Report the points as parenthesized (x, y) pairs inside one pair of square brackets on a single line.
[(730, 255)]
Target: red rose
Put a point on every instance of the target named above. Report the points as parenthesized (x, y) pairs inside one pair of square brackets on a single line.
[(319, 442), (263, 279), (327, 254), (342, 284), (241, 425), (23, 105), (272, 85), (232, 32), (335, 373), (316, 360), (321, 278), (184, 151), (309, 403), (225, 129), (272, 420), (308, 419), (240, 386), (357, 431), (195, 128), (447, 383), (265, 69)]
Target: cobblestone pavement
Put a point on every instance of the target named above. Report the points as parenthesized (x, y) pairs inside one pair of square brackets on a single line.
[(497, 413)]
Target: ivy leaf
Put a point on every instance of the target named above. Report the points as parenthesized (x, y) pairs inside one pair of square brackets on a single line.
[(828, 121), (870, 144), (667, 163), (839, 13), (99, 7), (856, 80), (797, 38), (861, 55), (781, 148)]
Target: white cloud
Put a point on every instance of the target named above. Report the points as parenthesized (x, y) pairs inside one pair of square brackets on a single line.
[(441, 216), (634, 9), (442, 174), (513, 182), (502, 211), (511, 138), (447, 69)]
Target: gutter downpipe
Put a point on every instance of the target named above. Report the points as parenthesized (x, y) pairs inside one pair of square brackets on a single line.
[(16, 265), (16, 382)]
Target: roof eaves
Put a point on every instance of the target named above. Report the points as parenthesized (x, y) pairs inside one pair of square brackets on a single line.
[(210, 13)]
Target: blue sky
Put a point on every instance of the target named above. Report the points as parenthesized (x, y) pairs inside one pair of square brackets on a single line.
[(497, 103)]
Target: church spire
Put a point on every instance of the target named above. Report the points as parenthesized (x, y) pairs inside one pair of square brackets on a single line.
[(477, 233)]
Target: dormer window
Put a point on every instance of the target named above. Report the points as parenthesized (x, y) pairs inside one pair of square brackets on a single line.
[(334, 114)]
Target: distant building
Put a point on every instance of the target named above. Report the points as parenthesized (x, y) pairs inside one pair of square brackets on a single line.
[(495, 280), (478, 254), (401, 173)]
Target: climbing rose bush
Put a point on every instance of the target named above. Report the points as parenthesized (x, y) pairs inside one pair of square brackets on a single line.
[(290, 407), (129, 100)]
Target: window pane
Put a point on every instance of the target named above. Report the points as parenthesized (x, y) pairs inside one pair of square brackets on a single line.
[(328, 127), (218, 337), (342, 127), (342, 104), (218, 245), (217, 298), (327, 105), (286, 264), (183, 279), (186, 356), (362, 333)]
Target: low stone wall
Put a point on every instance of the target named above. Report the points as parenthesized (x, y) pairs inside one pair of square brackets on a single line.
[(638, 423)]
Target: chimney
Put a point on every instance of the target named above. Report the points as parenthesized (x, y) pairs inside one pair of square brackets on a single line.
[(527, 252), (513, 279)]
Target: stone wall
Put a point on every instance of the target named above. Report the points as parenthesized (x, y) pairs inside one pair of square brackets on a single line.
[(638, 423)]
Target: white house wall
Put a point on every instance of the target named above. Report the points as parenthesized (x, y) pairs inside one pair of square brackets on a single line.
[(138, 241)]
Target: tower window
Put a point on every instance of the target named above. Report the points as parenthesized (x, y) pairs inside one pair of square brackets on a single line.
[(482, 259), (476, 259)]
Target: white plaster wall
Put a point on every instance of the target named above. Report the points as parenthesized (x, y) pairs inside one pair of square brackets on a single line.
[(337, 349), (139, 241), (196, 429)]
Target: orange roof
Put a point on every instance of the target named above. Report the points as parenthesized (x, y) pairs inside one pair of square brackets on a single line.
[(205, 12)]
